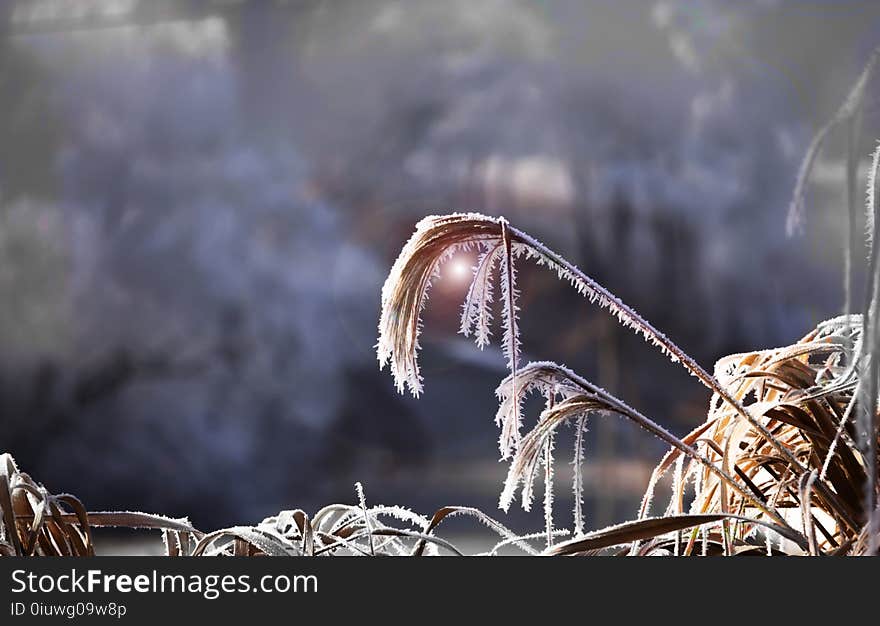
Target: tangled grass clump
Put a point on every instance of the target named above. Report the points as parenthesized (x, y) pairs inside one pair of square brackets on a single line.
[(38, 523)]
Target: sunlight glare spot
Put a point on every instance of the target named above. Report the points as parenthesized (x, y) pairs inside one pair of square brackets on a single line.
[(459, 270)]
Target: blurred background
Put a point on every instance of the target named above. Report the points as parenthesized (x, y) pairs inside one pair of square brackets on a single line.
[(200, 200)]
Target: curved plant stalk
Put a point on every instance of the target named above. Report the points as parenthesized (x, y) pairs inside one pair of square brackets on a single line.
[(540, 535), (585, 399), (651, 528), (452, 511), (438, 238), (849, 110)]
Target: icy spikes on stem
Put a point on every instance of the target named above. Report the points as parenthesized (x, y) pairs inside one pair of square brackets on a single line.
[(578, 480), (476, 314), (362, 500)]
